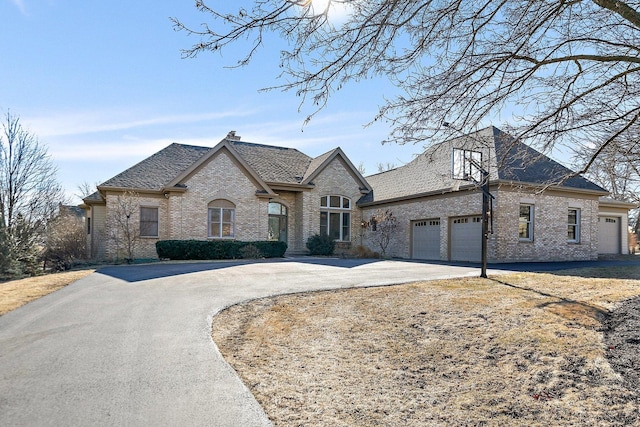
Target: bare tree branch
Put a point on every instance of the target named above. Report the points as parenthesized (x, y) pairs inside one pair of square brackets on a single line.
[(563, 73)]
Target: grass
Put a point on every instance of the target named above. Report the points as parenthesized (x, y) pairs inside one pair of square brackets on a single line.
[(520, 349), (16, 293)]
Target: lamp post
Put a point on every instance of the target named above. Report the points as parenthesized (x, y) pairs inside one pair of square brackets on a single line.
[(486, 198)]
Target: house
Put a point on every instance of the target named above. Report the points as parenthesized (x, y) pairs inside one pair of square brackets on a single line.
[(246, 191), (235, 190)]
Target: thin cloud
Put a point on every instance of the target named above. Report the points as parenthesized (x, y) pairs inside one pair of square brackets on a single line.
[(20, 5), (98, 122)]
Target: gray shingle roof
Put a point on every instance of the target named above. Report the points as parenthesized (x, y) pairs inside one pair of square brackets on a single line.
[(519, 162), (431, 171), (154, 172), (94, 197), (274, 164)]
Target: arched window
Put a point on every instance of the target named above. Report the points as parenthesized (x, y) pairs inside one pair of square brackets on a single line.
[(277, 222), (335, 217), (222, 215)]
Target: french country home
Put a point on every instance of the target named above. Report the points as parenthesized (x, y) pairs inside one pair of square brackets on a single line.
[(540, 210)]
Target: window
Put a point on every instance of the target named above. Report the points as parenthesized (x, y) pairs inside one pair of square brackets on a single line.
[(335, 217), (148, 222), (222, 215), (89, 225), (525, 225), (277, 222), (573, 227)]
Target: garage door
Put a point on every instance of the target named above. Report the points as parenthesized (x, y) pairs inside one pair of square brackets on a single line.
[(426, 239), (608, 235), (466, 239)]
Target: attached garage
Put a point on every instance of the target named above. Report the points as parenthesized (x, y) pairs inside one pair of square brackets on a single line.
[(426, 239), (466, 239), (609, 235)]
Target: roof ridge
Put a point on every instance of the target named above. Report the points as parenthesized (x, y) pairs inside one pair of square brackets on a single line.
[(278, 147), (186, 145)]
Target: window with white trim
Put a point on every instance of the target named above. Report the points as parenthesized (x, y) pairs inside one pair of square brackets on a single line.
[(221, 222), (335, 217), (573, 226), (148, 222), (525, 223)]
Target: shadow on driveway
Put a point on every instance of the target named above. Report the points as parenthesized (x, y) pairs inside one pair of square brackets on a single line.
[(138, 273)]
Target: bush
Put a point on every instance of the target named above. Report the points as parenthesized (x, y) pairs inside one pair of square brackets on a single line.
[(66, 242), (250, 252), (218, 249), (321, 245)]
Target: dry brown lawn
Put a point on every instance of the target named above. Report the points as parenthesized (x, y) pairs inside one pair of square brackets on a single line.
[(520, 349), (16, 293)]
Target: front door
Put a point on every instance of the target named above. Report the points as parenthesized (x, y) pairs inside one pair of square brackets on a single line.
[(277, 222)]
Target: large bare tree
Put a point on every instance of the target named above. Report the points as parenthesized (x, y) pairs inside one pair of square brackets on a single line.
[(563, 73), (29, 196)]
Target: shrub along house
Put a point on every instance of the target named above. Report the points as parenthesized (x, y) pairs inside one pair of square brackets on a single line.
[(251, 192)]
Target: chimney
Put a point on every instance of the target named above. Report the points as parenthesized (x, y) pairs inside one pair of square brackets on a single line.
[(231, 136)]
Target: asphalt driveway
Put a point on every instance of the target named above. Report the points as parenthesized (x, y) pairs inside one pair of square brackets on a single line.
[(131, 345)]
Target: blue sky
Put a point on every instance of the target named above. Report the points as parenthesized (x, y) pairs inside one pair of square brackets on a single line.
[(103, 85)]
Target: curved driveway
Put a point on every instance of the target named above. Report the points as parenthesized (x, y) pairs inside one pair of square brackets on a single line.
[(131, 345)]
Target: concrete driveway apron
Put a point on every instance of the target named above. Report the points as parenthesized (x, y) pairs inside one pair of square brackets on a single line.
[(131, 345)]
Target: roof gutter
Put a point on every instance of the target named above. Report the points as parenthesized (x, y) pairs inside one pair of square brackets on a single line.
[(493, 183)]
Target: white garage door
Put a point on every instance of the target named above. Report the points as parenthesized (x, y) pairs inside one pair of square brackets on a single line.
[(426, 239), (466, 239), (608, 235)]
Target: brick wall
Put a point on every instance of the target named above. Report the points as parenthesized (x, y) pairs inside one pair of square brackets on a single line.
[(550, 224), (336, 179), (441, 207), (549, 228), (220, 178), (113, 236)]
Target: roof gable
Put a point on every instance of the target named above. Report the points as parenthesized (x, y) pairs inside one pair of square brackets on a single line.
[(318, 164), (223, 146)]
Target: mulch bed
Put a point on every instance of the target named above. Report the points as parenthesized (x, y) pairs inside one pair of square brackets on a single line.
[(622, 336)]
